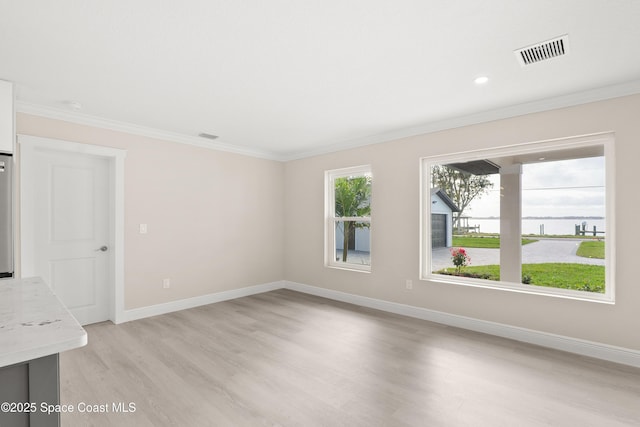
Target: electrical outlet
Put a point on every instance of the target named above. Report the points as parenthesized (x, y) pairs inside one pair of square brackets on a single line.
[(408, 284), (166, 283)]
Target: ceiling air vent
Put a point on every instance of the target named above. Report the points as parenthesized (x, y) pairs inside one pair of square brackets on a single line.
[(207, 135), (538, 52)]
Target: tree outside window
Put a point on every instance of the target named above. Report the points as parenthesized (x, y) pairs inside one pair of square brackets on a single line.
[(349, 216), (532, 233)]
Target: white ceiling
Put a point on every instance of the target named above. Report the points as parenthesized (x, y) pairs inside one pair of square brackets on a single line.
[(287, 78)]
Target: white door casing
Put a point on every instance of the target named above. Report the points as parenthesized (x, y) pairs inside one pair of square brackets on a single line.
[(72, 224)]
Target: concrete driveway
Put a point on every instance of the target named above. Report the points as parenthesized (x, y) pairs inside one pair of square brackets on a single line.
[(543, 251)]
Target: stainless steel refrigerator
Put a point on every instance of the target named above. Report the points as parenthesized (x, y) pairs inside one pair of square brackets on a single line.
[(6, 216)]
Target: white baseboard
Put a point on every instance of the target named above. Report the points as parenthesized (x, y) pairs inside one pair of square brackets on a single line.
[(183, 304), (573, 345)]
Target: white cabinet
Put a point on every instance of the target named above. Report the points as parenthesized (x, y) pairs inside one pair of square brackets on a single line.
[(7, 134)]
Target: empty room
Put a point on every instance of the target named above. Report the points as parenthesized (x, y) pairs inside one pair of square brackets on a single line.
[(250, 213)]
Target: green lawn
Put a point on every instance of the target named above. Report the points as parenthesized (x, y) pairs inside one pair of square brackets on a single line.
[(591, 249), (481, 242), (581, 277)]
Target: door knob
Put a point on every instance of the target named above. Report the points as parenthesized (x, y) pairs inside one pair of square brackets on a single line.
[(102, 249)]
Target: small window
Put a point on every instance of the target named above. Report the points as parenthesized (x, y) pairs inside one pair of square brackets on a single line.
[(348, 218), (533, 218)]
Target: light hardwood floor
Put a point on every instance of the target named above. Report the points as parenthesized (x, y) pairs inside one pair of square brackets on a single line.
[(290, 359)]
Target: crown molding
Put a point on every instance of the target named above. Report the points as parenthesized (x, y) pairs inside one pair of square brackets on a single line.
[(100, 122), (563, 101)]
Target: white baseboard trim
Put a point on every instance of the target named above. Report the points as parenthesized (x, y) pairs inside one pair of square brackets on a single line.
[(558, 342), (183, 304)]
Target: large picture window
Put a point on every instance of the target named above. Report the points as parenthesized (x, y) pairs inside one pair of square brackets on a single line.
[(533, 218), (348, 218)]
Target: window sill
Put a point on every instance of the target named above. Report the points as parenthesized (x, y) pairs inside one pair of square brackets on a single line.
[(522, 288), (355, 268)]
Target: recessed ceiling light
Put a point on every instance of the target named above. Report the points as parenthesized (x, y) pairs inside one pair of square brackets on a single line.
[(481, 80)]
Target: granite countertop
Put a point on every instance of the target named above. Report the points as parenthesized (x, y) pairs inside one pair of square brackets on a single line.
[(34, 323)]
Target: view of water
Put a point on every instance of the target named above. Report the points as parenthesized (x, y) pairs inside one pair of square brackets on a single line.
[(532, 226)]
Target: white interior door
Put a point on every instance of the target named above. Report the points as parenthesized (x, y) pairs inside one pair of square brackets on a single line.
[(71, 230)]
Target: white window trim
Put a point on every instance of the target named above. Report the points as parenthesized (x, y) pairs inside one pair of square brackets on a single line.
[(331, 219), (604, 139)]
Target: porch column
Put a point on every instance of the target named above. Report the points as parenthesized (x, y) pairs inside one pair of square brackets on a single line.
[(511, 223)]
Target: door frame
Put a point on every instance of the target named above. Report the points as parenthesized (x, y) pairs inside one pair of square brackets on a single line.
[(28, 147)]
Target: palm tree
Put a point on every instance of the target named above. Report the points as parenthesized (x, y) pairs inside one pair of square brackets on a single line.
[(353, 199)]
